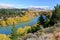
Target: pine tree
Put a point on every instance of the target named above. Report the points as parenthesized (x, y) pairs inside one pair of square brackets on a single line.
[(41, 20)]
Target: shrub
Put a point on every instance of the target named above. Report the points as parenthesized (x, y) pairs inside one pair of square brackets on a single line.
[(4, 37), (14, 35)]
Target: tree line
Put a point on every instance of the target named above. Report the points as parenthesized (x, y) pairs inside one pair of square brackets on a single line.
[(6, 12), (55, 18)]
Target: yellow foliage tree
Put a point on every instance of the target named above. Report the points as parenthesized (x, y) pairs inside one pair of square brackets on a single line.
[(20, 31), (4, 37), (3, 23)]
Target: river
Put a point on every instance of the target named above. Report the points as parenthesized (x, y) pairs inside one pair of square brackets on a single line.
[(7, 30)]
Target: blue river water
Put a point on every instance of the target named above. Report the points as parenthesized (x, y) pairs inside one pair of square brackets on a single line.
[(7, 30)]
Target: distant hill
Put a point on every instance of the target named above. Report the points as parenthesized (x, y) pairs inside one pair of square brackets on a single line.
[(20, 9), (32, 8), (5, 7)]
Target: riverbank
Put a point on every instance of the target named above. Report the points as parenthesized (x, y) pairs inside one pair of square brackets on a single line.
[(7, 29), (50, 33)]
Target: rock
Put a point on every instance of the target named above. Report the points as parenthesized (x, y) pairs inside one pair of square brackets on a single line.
[(37, 33), (20, 39), (29, 35), (57, 36), (49, 36), (34, 36), (40, 38), (31, 39)]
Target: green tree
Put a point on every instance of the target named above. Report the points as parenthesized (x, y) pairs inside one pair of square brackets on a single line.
[(41, 20), (14, 35), (56, 12)]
